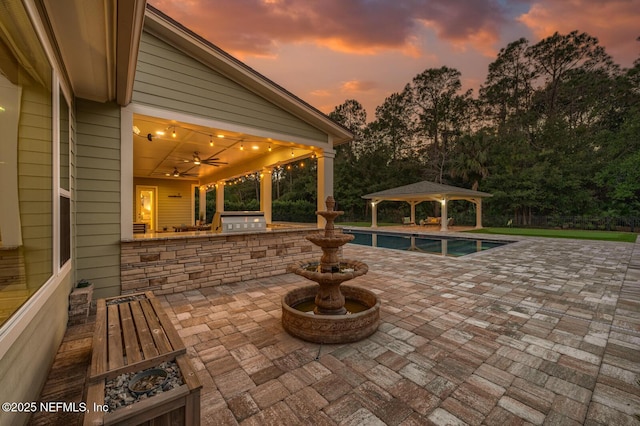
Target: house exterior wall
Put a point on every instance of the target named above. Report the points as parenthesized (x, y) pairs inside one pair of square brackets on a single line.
[(169, 79), (172, 265), (98, 196), (30, 337), (25, 365)]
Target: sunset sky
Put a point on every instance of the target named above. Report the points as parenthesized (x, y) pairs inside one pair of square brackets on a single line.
[(327, 51)]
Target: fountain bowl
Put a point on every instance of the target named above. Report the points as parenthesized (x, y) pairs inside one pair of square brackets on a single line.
[(330, 329)]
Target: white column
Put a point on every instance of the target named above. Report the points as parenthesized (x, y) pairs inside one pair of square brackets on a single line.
[(374, 213), (413, 205), (202, 203), (220, 196), (266, 185), (478, 203), (443, 215), (325, 181)]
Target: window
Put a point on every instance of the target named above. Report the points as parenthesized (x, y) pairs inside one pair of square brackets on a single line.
[(26, 160), (65, 201)]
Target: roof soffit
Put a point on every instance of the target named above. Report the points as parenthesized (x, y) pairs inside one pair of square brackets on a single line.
[(98, 41)]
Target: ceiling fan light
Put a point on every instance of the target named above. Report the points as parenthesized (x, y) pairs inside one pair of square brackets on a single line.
[(176, 173), (196, 159)]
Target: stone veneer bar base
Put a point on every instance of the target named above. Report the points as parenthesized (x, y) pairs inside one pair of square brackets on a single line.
[(177, 263)]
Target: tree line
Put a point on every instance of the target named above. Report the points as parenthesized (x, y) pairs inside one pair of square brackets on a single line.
[(553, 131)]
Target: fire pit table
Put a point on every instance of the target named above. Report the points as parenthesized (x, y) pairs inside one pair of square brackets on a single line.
[(133, 336)]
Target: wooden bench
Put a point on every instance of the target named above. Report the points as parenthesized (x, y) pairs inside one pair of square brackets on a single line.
[(132, 334)]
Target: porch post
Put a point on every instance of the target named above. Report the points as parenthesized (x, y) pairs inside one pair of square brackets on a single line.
[(443, 215), (266, 186), (202, 204), (325, 181), (220, 196)]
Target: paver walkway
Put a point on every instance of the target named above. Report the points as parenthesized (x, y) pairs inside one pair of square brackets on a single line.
[(541, 331), (537, 332)]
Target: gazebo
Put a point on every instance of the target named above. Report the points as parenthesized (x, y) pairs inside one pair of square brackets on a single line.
[(418, 192)]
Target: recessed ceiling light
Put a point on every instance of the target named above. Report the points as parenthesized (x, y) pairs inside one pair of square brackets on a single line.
[(254, 147), (159, 133)]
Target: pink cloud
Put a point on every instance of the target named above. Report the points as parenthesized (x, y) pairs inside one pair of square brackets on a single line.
[(354, 86), (258, 27), (614, 23)]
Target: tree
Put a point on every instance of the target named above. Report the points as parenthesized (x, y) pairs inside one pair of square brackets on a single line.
[(440, 114)]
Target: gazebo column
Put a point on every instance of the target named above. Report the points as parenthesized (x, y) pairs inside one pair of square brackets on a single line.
[(266, 185), (374, 213), (325, 181), (443, 215), (478, 203), (413, 205)]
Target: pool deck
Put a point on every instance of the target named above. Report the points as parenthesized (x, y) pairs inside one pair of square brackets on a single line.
[(542, 331)]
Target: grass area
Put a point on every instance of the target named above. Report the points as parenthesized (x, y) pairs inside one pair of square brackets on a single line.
[(625, 237)]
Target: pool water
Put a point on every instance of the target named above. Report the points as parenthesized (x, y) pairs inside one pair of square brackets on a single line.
[(443, 246)]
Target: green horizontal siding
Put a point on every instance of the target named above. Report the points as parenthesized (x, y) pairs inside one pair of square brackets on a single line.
[(169, 79), (97, 188)]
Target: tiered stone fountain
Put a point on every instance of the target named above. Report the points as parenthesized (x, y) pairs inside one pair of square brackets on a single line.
[(330, 312)]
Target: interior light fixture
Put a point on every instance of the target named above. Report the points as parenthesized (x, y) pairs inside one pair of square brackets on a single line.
[(241, 147), (269, 147), (159, 133), (136, 130), (210, 140), (255, 147), (292, 152), (174, 132), (196, 158), (176, 173), (221, 136)]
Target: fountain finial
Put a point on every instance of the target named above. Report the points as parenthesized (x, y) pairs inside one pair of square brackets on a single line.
[(330, 202)]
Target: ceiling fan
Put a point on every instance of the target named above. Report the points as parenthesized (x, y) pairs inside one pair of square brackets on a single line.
[(211, 161), (176, 173)]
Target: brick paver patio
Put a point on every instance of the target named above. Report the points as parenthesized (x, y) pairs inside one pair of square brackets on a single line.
[(538, 332), (542, 331)]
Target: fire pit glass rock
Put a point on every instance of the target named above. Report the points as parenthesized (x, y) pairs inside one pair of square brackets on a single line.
[(330, 312)]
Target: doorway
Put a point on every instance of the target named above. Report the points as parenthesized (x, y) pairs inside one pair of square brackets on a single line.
[(147, 206)]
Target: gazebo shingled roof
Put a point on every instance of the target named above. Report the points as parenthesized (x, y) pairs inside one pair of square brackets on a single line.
[(425, 190)]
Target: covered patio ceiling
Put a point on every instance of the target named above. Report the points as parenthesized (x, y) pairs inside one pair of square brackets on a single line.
[(418, 192), (167, 149)]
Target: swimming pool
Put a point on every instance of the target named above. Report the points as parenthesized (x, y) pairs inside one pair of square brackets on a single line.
[(443, 246)]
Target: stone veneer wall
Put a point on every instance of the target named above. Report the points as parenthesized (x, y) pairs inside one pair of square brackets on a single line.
[(175, 264)]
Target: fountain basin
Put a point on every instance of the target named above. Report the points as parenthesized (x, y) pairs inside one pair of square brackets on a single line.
[(344, 270), (344, 328)]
